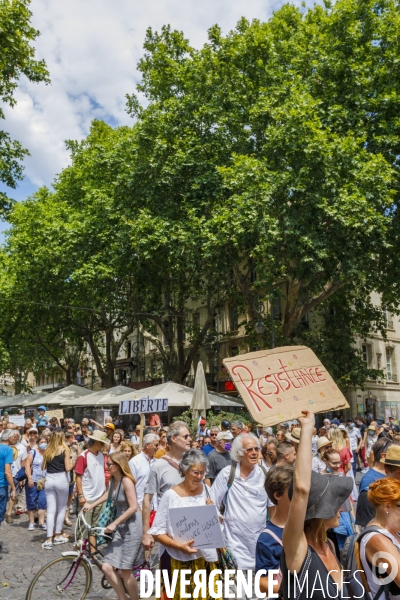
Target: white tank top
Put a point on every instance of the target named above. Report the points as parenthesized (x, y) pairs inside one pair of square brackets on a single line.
[(374, 587), (36, 466)]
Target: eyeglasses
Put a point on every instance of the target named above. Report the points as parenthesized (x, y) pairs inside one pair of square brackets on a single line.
[(270, 453), (255, 449), (185, 437), (213, 434), (198, 473), (109, 464)]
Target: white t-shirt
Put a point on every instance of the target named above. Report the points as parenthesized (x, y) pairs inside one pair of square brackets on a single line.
[(140, 468), (15, 467), (354, 436), (91, 467)]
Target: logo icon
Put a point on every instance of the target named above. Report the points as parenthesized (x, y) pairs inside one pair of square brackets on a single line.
[(381, 568)]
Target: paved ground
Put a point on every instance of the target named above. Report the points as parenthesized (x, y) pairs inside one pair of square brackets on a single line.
[(25, 557)]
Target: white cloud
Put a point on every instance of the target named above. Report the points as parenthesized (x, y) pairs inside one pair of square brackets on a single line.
[(91, 48)]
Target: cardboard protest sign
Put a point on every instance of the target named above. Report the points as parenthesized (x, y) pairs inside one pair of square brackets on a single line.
[(18, 420), (276, 385), (198, 523), (59, 413), (143, 405)]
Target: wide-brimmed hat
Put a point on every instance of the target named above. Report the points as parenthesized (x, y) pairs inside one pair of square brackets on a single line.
[(371, 428), (392, 456), (342, 427), (99, 436), (294, 435), (322, 442), (327, 494)]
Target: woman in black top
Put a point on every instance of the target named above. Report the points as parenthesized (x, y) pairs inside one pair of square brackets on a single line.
[(57, 463), (308, 560)]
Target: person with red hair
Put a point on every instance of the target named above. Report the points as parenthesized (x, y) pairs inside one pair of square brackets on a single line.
[(384, 496)]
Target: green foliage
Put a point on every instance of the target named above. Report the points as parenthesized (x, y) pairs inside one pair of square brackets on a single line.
[(16, 59)]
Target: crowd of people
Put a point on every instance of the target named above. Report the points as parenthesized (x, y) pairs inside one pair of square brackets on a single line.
[(287, 497)]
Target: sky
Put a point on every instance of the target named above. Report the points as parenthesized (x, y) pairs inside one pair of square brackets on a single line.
[(91, 48)]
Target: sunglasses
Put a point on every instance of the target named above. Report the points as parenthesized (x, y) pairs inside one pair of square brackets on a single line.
[(213, 434), (185, 437)]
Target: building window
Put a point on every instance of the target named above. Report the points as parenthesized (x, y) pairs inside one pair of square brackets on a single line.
[(128, 349), (365, 354), (233, 317), (196, 321), (391, 374), (388, 319), (154, 368), (379, 361), (234, 351)]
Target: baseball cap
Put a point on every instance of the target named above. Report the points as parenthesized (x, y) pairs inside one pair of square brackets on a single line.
[(203, 422), (223, 435), (41, 408), (109, 426), (35, 429)]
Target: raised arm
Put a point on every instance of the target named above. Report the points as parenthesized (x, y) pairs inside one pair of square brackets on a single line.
[(294, 539)]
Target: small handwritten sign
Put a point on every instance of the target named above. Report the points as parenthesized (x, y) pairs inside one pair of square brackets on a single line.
[(276, 385), (59, 413), (143, 405), (198, 523)]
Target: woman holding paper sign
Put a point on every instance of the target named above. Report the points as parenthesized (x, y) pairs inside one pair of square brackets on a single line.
[(177, 555)]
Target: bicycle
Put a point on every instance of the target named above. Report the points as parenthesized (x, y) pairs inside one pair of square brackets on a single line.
[(71, 574)]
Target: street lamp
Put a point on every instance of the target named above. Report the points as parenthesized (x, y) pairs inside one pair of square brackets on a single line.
[(259, 327)]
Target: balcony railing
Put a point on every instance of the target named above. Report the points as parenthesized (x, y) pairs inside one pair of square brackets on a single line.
[(392, 377)]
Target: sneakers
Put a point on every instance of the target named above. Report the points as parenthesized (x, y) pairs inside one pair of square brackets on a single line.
[(31, 527), (42, 527), (47, 545), (60, 540), (365, 469)]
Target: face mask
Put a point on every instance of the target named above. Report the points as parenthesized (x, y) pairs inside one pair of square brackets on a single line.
[(43, 446), (371, 432), (351, 425)]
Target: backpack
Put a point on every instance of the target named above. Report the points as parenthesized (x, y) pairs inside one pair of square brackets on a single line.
[(351, 561)]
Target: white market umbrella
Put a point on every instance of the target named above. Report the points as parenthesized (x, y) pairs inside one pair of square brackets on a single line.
[(101, 398), (200, 400), (177, 394), (19, 399), (72, 392)]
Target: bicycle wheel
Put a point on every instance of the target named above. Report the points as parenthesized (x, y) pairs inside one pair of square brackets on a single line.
[(52, 580)]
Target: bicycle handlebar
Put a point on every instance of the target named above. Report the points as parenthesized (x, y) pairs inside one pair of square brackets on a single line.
[(90, 528)]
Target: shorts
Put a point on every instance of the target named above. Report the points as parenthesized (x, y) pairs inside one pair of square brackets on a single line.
[(92, 516), (71, 488), (35, 499)]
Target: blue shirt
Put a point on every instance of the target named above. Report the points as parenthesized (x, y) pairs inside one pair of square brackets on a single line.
[(369, 477), (42, 421), (6, 458), (207, 449), (268, 550)]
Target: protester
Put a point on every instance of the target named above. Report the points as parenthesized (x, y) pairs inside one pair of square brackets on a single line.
[(57, 463), (117, 440), (128, 449), (285, 454), (269, 543), (365, 511), (125, 548), (18, 451), (191, 492), (314, 508), (162, 448), (202, 430), (164, 474), (280, 436), (293, 437), (355, 443), (370, 437), (210, 446), (141, 464), (375, 546), (154, 421), (135, 437), (246, 501), (269, 454), (90, 475), (219, 458), (226, 427), (237, 428), (35, 495), (323, 444), (314, 442), (6, 478), (339, 444), (42, 420)]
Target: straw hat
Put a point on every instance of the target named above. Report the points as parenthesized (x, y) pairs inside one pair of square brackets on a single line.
[(322, 442), (99, 436), (392, 456), (294, 435)]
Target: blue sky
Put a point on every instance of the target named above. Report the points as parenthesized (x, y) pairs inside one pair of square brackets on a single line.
[(91, 48)]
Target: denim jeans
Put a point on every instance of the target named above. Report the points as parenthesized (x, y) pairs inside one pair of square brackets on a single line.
[(3, 502), (354, 463)]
